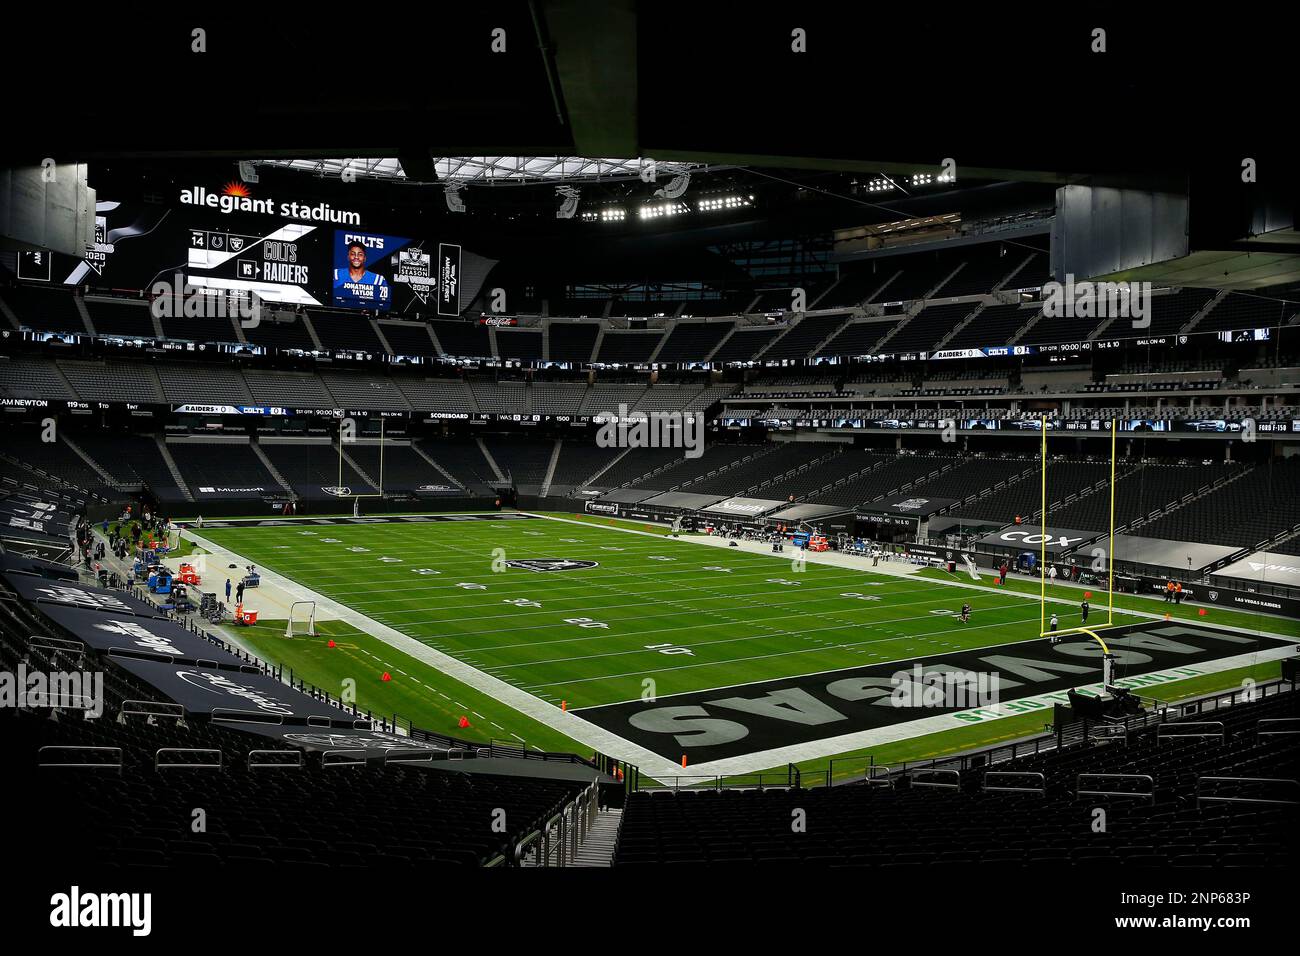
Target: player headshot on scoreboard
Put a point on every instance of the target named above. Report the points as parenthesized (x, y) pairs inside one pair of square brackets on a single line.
[(357, 285)]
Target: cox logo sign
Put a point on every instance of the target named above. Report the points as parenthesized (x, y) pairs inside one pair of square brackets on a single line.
[(1027, 537)]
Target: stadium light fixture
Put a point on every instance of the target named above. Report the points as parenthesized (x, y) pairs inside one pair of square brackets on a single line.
[(714, 203)]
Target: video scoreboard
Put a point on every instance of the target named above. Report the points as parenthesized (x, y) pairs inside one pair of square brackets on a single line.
[(300, 264), (284, 251)]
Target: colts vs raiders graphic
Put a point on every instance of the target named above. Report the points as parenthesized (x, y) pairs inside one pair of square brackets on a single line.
[(243, 253)]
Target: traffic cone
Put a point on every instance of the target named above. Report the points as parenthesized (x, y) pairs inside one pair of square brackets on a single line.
[(683, 760), (387, 676), (464, 722), (330, 643)]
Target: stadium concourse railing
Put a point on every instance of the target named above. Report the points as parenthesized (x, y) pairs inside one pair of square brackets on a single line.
[(557, 840), (946, 771)]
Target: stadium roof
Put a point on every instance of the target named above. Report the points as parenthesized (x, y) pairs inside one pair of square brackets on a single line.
[(480, 170)]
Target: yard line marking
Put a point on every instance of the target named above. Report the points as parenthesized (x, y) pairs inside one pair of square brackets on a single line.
[(730, 640), (661, 670)]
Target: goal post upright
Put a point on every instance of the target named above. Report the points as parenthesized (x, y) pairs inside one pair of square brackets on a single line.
[(1108, 659), (1042, 544), (1110, 560)]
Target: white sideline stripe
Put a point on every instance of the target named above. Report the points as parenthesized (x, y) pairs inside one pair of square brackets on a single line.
[(563, 722)]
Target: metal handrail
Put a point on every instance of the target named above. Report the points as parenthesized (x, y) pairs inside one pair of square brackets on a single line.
[(1078, 783), (158, 763), (913, 782), (558, 822), (61, 748), (1292, 721), (151, 708), (1040, 789), (1169, 731), (1214, 799), (886, 778), (326, 762), (524, 843), (56, 644), (297, 763), (408, 756)]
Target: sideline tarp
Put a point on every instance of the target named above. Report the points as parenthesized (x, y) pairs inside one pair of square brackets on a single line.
[(141, 637), (46, 591), (235, 695)]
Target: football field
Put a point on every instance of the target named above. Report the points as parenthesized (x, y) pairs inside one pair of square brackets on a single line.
[(716, 653)]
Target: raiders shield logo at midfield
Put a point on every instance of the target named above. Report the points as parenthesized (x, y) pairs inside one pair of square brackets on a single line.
[(551, 564)]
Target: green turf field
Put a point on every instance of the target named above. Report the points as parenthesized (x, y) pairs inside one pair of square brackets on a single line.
[(593, 636), (654, 614)]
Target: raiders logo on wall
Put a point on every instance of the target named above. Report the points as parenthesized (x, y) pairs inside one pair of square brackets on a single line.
[(551, 564)]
